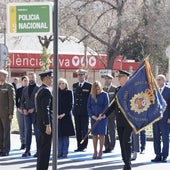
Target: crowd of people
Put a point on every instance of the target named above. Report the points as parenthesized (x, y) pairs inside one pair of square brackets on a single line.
[(85, 102)]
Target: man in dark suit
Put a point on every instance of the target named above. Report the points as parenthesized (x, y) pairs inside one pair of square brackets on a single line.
[(43, 102), (161, 128), (7, 98), (81, 91), (110, 137), (28, 107)]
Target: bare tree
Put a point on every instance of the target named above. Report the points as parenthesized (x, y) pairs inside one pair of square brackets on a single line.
[(45, 41), (129, 27), (109, 23), (156, 29)]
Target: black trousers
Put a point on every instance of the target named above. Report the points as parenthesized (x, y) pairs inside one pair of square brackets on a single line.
[(44, 149), (125, 138), (81, 125)]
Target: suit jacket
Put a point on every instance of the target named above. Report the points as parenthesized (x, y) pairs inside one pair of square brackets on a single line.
[(81, 95), (7, 99), (43, 102), (28, 102), (166, 96)]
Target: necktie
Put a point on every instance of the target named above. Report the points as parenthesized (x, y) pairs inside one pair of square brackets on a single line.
[(80, 85), (160, 90)]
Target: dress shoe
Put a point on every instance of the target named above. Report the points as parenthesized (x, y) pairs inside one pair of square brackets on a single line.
[(76, 150), (142, 151), (95, 155), (157, 159), (26, 154), (22, 146), (107, 151), (64, 156), (99, 156), (4, 154), (60, 155), (164, 159), (127, 167), (35, 155), (134, 156), (79, 150)]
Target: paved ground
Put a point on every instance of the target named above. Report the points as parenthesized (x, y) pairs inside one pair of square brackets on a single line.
[(80, 160)]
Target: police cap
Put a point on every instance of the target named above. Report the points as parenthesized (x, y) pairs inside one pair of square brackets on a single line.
[(4, 72), (108, 76), (81, 71), (123, 73), (46, 73)]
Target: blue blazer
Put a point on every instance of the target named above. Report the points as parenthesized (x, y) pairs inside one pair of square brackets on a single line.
[(166, 96)]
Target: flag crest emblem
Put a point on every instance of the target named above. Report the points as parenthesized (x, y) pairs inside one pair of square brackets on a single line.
[(140, 100)]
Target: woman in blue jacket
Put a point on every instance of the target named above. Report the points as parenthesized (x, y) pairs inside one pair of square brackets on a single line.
[(98, 101)]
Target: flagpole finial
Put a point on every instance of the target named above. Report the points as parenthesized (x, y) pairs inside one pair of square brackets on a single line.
[(149, 75)]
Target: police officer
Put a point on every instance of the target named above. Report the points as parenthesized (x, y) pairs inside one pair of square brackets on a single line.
[(123, 127), (43, 103), (81, 91), (7, 97), (110, 137)]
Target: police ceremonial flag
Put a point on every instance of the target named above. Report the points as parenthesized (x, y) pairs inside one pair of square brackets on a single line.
[(140, 100)]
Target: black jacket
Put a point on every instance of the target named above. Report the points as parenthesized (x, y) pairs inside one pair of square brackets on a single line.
[(18, 96), (120, 119), (43, 103), (65, 103)]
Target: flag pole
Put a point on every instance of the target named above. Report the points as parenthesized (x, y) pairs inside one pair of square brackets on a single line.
[(55, 86)]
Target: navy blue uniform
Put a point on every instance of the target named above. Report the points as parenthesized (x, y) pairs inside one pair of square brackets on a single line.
[(44, 117), (161, 129), (124, 133), (80, 113)]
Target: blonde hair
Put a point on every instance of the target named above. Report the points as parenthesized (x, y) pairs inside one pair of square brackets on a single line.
[(95, 85), (63, 80)]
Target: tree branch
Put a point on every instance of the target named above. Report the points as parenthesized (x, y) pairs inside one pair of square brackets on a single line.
[(90, 33)]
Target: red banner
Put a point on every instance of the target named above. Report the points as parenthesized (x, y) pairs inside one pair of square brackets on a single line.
[(66, 61)]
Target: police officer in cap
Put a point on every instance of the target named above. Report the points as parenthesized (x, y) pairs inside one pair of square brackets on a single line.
[(43, 104), (123, 128), (81, 91)]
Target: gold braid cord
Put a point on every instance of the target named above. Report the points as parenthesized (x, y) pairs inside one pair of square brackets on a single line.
[(150, 77)]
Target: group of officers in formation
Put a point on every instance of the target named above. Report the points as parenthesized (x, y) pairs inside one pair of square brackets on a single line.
[(85, 101)]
